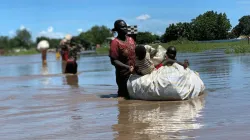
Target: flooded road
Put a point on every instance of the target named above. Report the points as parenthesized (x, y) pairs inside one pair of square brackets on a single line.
[(39, 102)]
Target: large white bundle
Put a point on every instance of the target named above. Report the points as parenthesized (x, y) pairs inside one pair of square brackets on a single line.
[(63, 41), (68, 37), (43, 45), (160, 53), (167, 83)]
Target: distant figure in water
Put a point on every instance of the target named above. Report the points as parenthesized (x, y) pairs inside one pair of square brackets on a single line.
[(70, 48), (43, 46), (64, 49)]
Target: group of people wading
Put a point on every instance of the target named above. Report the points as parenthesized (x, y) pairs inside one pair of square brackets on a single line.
[(124, 56), (128, 58), (69, 49)]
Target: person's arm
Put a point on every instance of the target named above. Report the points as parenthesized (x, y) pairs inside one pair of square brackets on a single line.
[(118, 63), (137, 71), (114, 55)]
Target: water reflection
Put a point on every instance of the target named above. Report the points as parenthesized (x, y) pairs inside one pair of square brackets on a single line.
[(214, 66), (45, 71), (157, 120), (72, 80), (63, 66)]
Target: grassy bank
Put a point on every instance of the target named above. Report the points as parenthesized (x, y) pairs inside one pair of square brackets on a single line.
[(102, 50), (193, 46), (21, 52)]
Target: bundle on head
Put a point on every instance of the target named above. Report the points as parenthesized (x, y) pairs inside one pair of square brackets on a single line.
[(43, 45)]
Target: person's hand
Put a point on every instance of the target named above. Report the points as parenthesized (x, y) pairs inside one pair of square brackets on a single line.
[(166, 57), (131, 69), (186, 63)]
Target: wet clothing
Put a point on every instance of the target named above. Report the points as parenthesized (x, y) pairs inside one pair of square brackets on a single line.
[(69, 54), (71, 66), (123, 51), (73, 51), (64, 52)]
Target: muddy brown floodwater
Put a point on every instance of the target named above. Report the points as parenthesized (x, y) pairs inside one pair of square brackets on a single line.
[(39, 102)]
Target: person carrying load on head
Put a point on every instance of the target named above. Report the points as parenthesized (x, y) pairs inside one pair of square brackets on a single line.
[(74, 48), (43, 46)]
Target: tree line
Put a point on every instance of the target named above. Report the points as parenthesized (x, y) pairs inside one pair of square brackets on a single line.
[(207, 26), (23, 39)]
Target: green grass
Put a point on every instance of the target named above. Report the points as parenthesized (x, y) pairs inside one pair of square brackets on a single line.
[(102, 50), (238, 49), (193, 46), (22, 52)]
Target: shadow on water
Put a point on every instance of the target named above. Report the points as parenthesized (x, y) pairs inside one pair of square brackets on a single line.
[(109, 96)]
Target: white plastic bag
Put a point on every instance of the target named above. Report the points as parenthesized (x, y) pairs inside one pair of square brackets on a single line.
[(159, 56), (43, 45), (167, 83)]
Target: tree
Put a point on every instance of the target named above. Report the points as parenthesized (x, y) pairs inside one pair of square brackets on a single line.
[(179, 30), (211, 26), (96, 35), (24, 38), (54, 42), (38, 39), (243, 28), (4, 42), (171, 33), (13, 43), (231, 35), (222, 27), (156, 37), (145, 37), (85, 44), (80, 40)]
